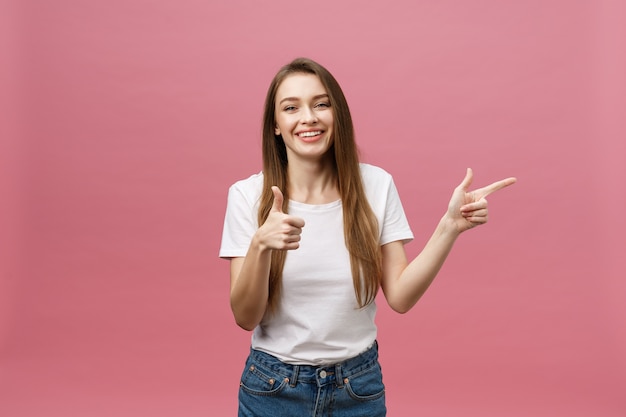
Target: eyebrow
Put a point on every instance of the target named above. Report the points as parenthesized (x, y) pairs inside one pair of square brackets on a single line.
[(317, 97)]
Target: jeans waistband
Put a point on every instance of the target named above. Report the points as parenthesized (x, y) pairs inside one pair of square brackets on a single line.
[(323, 374)]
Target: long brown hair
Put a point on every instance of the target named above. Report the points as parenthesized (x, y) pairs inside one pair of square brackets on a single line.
[(360, 224)]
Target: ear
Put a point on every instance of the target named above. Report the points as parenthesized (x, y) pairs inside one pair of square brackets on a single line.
[(276, 130)]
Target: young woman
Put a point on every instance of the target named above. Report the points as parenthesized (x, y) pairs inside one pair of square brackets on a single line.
[(310, 240)]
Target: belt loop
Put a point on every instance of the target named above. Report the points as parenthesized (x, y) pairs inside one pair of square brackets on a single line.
[(338, 376), (294, 376)]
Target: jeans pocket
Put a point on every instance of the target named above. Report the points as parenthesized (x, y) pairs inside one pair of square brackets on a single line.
[(367, 385), (261, 381)]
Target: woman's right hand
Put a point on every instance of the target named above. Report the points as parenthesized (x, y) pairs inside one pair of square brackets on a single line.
[(280, 230)]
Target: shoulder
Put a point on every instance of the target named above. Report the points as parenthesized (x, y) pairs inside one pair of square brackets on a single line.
[(253, 182), (249, 188), (374, 176)]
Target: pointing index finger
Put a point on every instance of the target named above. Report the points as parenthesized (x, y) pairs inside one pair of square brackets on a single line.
[(485, 191)]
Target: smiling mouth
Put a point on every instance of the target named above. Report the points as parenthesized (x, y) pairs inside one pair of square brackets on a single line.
[(310, 134)]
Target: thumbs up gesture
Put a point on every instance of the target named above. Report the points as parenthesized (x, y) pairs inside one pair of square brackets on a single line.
[(280, 230)]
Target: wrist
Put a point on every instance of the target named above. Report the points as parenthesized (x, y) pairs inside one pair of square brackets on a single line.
[(258, 244), (448, 226)]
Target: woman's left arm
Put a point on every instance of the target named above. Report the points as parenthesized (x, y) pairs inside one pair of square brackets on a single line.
[(403, 283)]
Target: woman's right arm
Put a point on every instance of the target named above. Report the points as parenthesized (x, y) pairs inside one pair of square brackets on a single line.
[(249, 276), (249, 284)]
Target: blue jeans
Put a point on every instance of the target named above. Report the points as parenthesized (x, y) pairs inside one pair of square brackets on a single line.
[(352, 388)]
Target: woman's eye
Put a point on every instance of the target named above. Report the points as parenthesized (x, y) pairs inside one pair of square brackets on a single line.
[(323, 104), (289, 108)]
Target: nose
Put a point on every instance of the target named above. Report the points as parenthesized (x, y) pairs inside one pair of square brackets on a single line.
[(308, 116)]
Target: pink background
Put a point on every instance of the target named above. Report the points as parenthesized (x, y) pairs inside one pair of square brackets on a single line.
[(124, 122)]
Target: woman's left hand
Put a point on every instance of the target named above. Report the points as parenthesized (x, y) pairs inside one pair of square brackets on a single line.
[(468, 209)]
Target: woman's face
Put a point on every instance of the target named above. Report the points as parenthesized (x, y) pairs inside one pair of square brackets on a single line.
[(304, 117)]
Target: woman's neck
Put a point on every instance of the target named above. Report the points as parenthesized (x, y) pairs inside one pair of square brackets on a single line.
[(313, 183)]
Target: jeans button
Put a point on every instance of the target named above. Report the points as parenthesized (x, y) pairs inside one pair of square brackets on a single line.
[(323, 374)]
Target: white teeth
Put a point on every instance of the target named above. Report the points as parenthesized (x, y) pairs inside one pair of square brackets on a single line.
[(309, 134)]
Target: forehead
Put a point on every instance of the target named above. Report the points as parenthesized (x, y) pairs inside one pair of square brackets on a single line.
[(300, 86)]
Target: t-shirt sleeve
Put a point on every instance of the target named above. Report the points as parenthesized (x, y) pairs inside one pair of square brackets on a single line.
[(395, 224), (240, 224)]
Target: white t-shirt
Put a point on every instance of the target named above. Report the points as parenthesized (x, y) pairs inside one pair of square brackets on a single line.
[(318, 320)]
